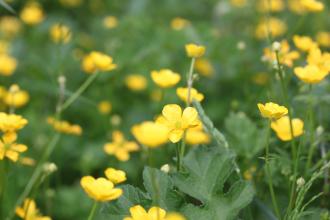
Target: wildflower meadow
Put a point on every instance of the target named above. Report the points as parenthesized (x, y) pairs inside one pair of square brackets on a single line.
[(164, 110)]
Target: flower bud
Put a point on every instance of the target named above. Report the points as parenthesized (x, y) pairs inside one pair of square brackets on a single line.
[(165, 168), (300, 182), (276, 46)]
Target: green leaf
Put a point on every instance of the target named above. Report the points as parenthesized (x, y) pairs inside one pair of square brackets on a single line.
[(6, 6)]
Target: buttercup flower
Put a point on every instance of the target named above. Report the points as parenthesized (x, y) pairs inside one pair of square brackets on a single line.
[(60, 33), (165, 78), (119, 147), (32, 14), (312, 5), (64, 126), (177, 121), (304, 43), (321, 60), (115, 176), (286, 56), (139, 213), (8, 64), (323, 38), (97, 61), (110, 22), (310, 74), (11, 122), (29, 211), (10, 149), (271, 5), (9, 26), (194, 94), (150, 134), (204, 67), (136, 82), (104, 107), (238, 3), (16, 97), (275, 26), (179, 23), (272, 110), (282, 128), (196, 136), (194, 50), (100, 189)]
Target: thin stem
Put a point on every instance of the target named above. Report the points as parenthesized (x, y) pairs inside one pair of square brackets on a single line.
[(3, 182), (93, 210), (311, 132), (182, 150), (190, 81), (178, 160), (269, 175)]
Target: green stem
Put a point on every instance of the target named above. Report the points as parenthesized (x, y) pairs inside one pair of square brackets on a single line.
[(182, 150), (178, 160), (93, 210), (311, 133), (319, 164), (3, 183), (269, 175), (190, 81)]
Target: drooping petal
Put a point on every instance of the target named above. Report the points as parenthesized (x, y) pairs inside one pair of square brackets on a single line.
[(175, 135)]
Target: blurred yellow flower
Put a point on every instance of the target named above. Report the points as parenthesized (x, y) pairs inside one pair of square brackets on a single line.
[(179, 23), (11, 122), (104, 107), (194, 50), (319, 59), (100, 189), (238, 3), (286, 57), (271, 5), (29, 211), (312, 5), (304, 43), (204, 67), (165, 78), (248, 174), (10, 149), (310, 74), (283, 130), (32, 14), (156, 95), (9, 26), (71, 3), (260, 78), (194, 94), (150, 134), (115, 176), (296, 6), (136, 82), (323, 38), (97, 61), (60, 33), (196, 136), (64, 126), (273, 27), (110, 22), (177, 121), (27, 161), (120, 147), (272, 110), (15, 97), (8, 64), (139, 213), (4, 46)]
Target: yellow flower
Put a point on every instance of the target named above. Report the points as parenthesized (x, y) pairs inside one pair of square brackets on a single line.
[(97, 61), (194, 94), (286, 56), (238, 3), (196, 136), (71, 3), (32, 14), (136, 82), (194, 50), (310, 74), (119, 147), (100, 189), (296, 6), (29, 211), (165, 78), (177, 121), (179, 23), (60, 33), (16, 97), (312, 5), (8, 64), (174, 216), (260, 78), (204, 67), (104, 107), (274, 26), (271, 5), (27, 161), (10, 149), (64, 126), (248, 174), (272, 110), (115, 176), (9, 26), (110, 22), (139, 213), (304, 43), (150, 134), (283, 130), (319, 59), (11, 122), (323, 38)]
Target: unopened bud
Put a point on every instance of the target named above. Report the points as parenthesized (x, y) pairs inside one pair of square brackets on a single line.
[(165, 168), (319, 130), (61, 80), (49, 168), (241, 45), (276, 46), (300, 182), (14, 88), (115, 120)]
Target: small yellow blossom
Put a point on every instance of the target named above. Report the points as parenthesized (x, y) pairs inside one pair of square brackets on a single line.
[(110, 22), (194, 50), (177, 121), (136, 82), (60, 33), (310, 74), (11, 122), (8, 64), (272, 110), (32, 14), (15, 97), (271, 5), (165, 78), (104, 107), (27, 161), (10, 149), (196, 136), (296, 6), (312, 5), (319, 59), (64, 126), (97, 61), (204, 67), (115, 176), (274, 27), (100, 189), (283, 130), (304, 43), (323, 38), (238, 3), (286, 57), (260, 78), (120, 147), (150, 134), (179, 23), (139, 213), (29, 211), (194, 94), (9, 26), (248, 174)]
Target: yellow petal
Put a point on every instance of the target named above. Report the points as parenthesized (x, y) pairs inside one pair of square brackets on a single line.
[(189, 116), (172, 112), (138, 212), (156, 213), (175, 135)]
